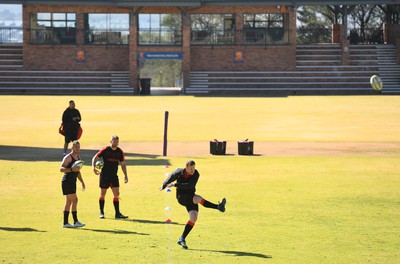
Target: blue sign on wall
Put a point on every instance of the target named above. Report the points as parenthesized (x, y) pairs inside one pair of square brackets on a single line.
[(160, 55)]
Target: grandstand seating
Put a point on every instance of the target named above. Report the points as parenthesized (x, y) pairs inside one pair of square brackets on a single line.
[(319, 70)]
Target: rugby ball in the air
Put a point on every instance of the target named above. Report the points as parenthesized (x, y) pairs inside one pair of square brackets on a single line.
[(77, 164), (99, 164), (376, 83)]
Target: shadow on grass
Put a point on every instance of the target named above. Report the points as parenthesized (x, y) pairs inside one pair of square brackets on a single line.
[(237, 253), (20, 229), (119, 232), (153, 222), (21, 153)]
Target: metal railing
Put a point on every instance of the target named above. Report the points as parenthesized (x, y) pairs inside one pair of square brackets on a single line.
[(247, 37), (366, 36), (53, 36), (279, 36), (265, 37), (107, 37), (11, 35), (308, 35), (212, 37), (159, 37)]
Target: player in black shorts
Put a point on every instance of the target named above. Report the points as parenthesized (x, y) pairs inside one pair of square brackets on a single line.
[(186, 180), (112, 157), (69, 185)]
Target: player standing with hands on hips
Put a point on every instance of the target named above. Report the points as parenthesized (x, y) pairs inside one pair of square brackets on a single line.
[(186, 180), (112, 157), (69, 184)]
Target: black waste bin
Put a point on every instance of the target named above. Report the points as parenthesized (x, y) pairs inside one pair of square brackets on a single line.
[(145, 84), (217, 147), (245, 147)]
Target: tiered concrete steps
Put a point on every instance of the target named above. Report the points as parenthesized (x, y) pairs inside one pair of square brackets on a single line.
[(317, 55), (15, 80), (319, 70), (64, 82), (382, 58), (11, 56)]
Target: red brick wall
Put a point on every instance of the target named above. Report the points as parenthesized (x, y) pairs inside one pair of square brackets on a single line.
[(62, 57), (45, 57), (255, 58), (219, 58)]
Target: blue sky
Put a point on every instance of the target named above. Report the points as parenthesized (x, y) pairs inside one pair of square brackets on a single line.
[(15, 19), (12, 8)]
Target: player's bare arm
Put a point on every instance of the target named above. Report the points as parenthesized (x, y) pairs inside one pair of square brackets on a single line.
[(81, 180), (64, 164), (123, 166)]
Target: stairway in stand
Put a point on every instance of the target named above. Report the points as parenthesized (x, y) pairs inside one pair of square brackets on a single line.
[(10, 56), (319, 70), (380, 58), (15, 80)]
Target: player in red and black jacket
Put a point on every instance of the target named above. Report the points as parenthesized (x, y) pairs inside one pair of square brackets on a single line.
[(112, 157), (185, 183)]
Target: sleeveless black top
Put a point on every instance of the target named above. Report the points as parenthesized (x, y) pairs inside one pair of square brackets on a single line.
[(71, 176)]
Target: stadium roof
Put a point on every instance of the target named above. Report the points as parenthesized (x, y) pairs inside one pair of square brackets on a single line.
[(199, 2)]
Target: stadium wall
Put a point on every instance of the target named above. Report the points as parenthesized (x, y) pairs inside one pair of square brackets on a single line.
[(123, 58)]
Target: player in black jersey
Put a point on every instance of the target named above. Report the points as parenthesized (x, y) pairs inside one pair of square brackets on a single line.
[(112, 157), (186, 180), (69, 185)]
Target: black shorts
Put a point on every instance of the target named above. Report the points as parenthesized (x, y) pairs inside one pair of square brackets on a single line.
[(106, 182), (68, 187), (70, 135), (186, 200)]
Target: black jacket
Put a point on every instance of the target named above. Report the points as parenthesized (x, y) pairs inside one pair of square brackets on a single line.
[(184, 183), (68, 114)]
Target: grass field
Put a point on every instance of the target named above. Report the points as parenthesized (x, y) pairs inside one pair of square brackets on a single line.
[(296, 208)]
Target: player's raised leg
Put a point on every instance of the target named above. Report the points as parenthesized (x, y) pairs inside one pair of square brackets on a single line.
[(197, 199)]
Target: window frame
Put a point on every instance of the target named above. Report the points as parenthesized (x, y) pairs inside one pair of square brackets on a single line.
[(159, 35), (44, 31), (107, 35), (211, 35), (274, 32)]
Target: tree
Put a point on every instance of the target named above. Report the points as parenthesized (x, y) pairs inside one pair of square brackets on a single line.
[(367, 20), (164, 73), (333, 13), (391, 13), (314, 26)]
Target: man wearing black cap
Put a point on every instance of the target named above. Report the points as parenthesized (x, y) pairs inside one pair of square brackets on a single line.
[(71, 118)]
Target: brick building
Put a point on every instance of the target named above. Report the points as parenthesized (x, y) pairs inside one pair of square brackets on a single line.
[(205, 35)]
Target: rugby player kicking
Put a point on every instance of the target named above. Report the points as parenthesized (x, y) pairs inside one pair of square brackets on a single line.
[(186, 180)]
